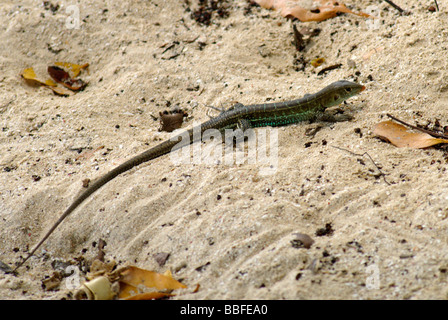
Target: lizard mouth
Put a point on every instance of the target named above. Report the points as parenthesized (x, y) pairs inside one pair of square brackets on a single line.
[(363, 88)]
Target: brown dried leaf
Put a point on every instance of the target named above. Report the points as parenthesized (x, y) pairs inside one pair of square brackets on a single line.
[(401, 136), (136, 276), (74, 68), (63, 77), (149, 296), (326, 9), (133, 278)]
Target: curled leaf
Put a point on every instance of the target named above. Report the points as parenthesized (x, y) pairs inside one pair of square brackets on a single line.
[(133, 279), (136, 276), (401, 136), (325, 9), (72, 67), (63, 77), (60, 76)]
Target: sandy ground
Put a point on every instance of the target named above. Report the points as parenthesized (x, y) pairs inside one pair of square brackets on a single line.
[(227, 227)]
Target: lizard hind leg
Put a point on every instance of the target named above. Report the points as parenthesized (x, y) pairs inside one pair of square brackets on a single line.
[(243, 124), (241, 141), (243, 132), (222, 110), (214, 108)]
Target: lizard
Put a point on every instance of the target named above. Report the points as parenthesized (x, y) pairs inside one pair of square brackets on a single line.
[(239, 116)]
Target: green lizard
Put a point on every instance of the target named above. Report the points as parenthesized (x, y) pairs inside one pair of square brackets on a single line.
[(311, 106)]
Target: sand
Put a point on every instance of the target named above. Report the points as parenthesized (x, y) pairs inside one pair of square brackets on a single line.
[(229, 228)]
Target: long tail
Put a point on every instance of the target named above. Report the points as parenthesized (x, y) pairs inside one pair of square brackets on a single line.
[(155, 152)]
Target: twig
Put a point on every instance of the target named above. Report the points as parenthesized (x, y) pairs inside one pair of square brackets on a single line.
[(335, 66), (362, 155), (432, 133), (437, 6), (394, 5)]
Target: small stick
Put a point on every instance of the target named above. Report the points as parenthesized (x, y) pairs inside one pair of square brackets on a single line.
[(362, 155), (394, 5), (335, 66), (437, 6), (434, 134)]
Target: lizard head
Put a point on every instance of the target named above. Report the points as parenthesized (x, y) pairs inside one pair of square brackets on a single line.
[(340, 91)]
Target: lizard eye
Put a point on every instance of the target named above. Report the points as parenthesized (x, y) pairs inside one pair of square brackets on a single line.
[(348, 89)]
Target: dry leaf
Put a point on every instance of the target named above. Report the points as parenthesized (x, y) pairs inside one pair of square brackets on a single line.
[(401, 136), (59, 75), (63, 77), (129, 283), (325, 9), (72, 67), (149, 296), (317, 62), (133, 278), (136, 276), (30, 77)]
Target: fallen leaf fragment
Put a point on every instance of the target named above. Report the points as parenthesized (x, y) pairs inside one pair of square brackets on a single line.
[(133, 279), (317, 62), (196, 289), (74, 68), (325, 9), (129, 283), (136, 276), (149, 296), (70, 84), (401, 136), (30, 77), (63, 77)]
